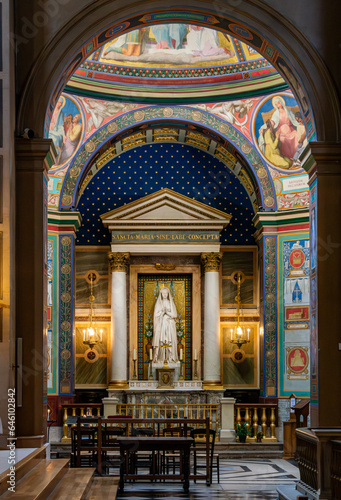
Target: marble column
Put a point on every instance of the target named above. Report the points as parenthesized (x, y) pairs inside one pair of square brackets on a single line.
[(119, 338), (212, 358)]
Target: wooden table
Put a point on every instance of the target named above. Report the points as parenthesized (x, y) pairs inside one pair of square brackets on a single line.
[(133, 444)]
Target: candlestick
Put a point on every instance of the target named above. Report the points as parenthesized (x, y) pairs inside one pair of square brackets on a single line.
[(134, 374), (195, 355), (134, 355), (150, 365), (195, 369), (166, 346), (181, 377), (231, 333), (248, 334), (181, 354), (48, 414)]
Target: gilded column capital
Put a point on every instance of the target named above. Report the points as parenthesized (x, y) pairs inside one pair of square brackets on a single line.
[(211, 261), (119, 261)]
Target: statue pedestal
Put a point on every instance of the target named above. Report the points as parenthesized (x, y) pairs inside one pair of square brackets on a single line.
[(165, 376)]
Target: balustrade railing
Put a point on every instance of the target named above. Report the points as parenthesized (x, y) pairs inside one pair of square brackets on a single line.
[(190, 411), (335, 470), (144, 411), (306, 452), (78, 410), (258, 418)]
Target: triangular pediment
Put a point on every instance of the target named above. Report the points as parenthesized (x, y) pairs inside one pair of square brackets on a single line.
[(163, 208), (165, 212)]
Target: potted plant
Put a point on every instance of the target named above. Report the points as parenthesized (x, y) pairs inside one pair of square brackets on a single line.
[(259, 437), (242, 431)]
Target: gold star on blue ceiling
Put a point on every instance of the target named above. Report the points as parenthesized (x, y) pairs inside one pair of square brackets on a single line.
[(212, 183)]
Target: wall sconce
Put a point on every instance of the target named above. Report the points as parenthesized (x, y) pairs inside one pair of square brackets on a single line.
[(238, 336), (91, 336)]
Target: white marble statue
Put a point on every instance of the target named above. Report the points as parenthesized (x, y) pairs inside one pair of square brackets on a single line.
[(165, 315)]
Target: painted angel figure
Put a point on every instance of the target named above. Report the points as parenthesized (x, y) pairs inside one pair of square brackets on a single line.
[(165, 314)]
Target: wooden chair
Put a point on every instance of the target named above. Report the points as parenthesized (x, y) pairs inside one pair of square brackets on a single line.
[(171, 458), (83, 446), (110, 448), (199, 451), (143, 459)]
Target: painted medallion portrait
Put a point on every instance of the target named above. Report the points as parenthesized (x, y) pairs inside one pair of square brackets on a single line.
[(297, 359), (279, 132), (66, 129)]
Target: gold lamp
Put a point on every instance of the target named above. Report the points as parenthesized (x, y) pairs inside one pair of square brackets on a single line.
[(238, 336), (91, 336)]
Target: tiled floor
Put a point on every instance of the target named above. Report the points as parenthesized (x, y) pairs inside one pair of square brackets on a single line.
[(239, 480)]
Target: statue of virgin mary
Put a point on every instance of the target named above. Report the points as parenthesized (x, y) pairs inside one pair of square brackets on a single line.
[(165, 328)]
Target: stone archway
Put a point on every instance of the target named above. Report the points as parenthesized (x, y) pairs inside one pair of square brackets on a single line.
[(244, 153), (278, 41)]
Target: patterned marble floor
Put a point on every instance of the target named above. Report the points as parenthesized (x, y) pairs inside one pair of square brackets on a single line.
[(245, 479)]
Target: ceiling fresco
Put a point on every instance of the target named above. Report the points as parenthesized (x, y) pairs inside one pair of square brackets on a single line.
[(180, 56)]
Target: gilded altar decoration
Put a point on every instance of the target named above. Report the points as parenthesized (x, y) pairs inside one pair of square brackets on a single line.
[(211, 261), (165, 267), (91, 355), (154, 330), (238, 355), (119, 261)]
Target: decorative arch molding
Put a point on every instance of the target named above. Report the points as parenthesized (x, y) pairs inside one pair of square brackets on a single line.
[(128, 123), (277, 39)]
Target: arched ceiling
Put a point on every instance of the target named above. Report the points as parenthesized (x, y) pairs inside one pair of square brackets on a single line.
[(145, 169), (206, 131), (185, 83), (174, 63), (229, 131), (200, 140)]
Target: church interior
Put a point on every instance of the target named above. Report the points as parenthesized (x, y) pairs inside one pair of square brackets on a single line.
[(169, 245)]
